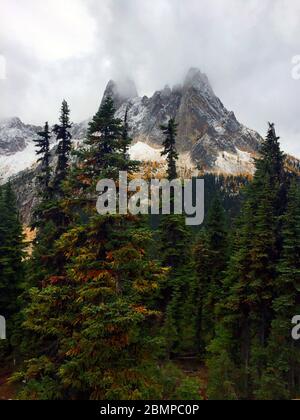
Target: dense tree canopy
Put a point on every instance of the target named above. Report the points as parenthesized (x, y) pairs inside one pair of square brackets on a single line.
[(118, 306)]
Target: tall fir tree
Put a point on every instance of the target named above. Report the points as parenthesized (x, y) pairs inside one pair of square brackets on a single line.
[(11, 266), (93, 313), (281, 376), (64, 137), (103, 155), (251, 279), (43, 150), (211, 255), (175, 240), (169, 147), (127, 164), (48, 219)]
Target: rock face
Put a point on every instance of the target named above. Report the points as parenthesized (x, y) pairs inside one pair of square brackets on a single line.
[(25, 188), (205, 127), (120, 92), (209, 136), (15, 135), (16, 147)]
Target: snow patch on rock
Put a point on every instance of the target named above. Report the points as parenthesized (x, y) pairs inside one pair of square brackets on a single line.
[(144, 152), (13, 164), (234, 164)]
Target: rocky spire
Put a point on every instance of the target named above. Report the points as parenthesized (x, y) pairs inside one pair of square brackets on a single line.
[(197, 80), (120, 92)]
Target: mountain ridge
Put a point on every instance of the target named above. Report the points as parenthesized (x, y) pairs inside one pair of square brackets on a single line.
[(210, 138), (205, 126)]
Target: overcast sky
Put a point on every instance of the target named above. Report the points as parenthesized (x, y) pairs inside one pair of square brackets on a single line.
[(69, 49)]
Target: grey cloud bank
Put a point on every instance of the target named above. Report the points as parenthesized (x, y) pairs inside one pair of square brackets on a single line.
[(70, 49)]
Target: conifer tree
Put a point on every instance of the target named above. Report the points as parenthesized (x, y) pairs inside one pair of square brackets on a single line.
[(43, 150), (126, 163), (94, 314), (125, 135), (48, 217), (281, 376), (64, 137), (11, 266), (173, 232), (175, 240), (211, 254), (169, 147), (251, 277), (178, 291), (103, 140), (103, 155), (202, 269)]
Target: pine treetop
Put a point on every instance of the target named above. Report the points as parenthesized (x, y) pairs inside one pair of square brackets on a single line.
[(169, 147)]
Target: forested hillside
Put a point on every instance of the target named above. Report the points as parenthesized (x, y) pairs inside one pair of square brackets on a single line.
[(122, 306)]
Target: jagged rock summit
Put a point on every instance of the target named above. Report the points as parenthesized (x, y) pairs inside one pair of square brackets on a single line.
[(207, 131), (120, 92), (16, 146), (15, 135), (209, 136)]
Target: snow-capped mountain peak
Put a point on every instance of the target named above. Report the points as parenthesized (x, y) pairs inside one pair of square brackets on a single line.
[(199, 81), (209, 136), (15, 135), (120, 92)]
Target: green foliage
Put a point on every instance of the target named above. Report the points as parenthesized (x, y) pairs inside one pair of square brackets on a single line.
[(64, 137), (93, 313), (104, 153), (175, 252), (169, 145), (252, 285), (175, 239), (105, 307), (280, 378), (223, 375), (176, 385), (11, 267), (210, 255), (43, 150)]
